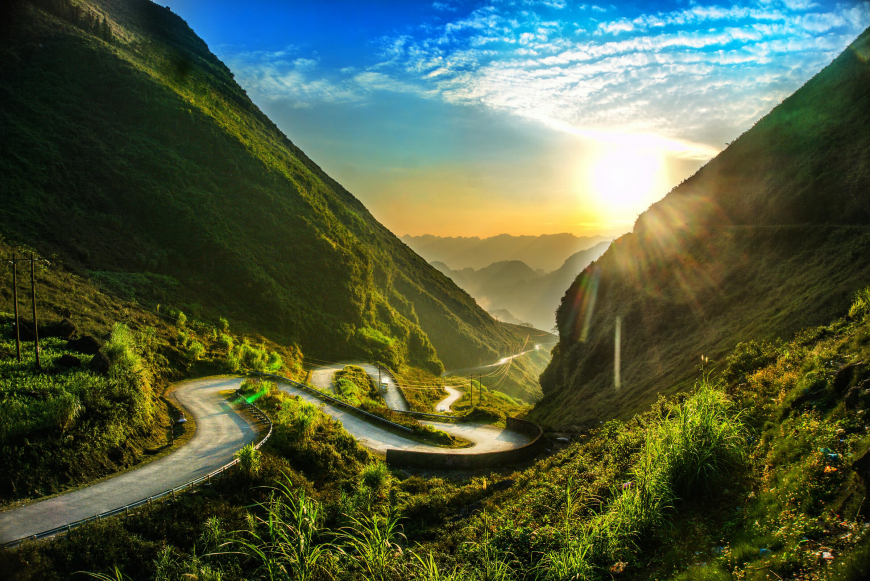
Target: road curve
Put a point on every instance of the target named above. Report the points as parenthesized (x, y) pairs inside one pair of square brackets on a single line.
[(501, 361), (321, 377), (485, 438), (453, 394), (220, 432)]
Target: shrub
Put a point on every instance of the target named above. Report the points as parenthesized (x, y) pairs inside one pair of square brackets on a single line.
[(374, 476), (249, 460), (860, 308), (225, 341), (274, 363), (121, 350), (195, 350)]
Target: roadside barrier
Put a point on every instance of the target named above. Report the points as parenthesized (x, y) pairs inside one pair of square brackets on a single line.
[(457, 460), (166, 494)]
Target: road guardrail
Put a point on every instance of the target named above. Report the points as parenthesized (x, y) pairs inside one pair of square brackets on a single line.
[(172, 492)]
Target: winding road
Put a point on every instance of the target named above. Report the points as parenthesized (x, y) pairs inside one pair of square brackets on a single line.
[(484, 437), (220, 432), (321, 377), (453, 395)]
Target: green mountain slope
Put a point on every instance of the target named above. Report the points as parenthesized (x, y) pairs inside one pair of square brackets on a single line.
[(769, 237), (128, 151)]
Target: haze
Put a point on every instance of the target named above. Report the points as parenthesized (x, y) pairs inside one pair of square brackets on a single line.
[(519, 117)]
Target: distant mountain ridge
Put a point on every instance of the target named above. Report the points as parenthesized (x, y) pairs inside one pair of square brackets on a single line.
[(546, 252), (770, 237), (525, 295)]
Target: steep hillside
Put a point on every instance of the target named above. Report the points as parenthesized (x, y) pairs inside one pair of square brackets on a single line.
[(546, 252), (128, 151), (769, 237)]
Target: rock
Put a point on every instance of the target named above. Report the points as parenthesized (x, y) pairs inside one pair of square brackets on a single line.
[(68, 360), (86, 344), (862, 466), (100, 364), (845, 375), (64, 329)]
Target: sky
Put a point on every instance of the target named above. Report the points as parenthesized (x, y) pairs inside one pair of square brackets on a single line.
[(518, 116)]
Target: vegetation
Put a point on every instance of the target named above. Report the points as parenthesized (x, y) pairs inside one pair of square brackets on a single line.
[(713, 263), (759, 475), (353, 385), (70, 424), (167, 185)]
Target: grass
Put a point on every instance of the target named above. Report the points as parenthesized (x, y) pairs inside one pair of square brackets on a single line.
[(145, 154), (739, 480), (713, 264)]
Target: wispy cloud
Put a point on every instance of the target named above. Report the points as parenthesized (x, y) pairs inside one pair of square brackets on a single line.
[(700, 74)]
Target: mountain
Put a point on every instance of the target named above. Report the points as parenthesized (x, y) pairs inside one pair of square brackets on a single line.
[(129, 153), (769, 237), (546, 252), (525, 294), (506, 316)]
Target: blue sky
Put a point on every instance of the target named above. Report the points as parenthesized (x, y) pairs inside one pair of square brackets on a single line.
[(523, 116)]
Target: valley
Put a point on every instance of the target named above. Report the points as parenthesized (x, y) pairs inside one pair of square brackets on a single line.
[(239, 372)]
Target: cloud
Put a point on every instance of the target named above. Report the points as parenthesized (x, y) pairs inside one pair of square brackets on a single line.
[(697, 76), (443, 7)]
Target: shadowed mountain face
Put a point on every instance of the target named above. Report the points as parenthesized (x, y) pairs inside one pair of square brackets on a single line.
[(128, 151), (769, 237), (526, 295), (547, 252)]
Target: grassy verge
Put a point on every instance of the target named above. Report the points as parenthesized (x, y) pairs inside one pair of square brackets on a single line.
[(758, 472)]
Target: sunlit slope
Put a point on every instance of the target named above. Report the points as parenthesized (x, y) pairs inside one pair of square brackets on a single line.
[(769, 237), (127, 148)]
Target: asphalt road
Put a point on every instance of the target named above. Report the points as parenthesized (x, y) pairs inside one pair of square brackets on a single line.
[(453, 395), (220, 433), (485, 437), (322, 378)]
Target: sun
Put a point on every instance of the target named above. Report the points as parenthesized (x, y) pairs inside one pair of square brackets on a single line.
[(625, 179)]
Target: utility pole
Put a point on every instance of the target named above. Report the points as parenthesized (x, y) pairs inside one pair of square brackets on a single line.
[(33, 295), (15, 300), (15, 261)]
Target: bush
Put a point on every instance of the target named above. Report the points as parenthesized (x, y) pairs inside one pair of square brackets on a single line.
[(249, 460), (121, 351), (860, 308)]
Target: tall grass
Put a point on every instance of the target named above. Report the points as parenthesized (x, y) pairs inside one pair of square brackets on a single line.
[(686, 451), (289, 541), (371, 542)]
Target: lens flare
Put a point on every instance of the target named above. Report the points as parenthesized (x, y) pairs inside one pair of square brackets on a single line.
[(583, 306)]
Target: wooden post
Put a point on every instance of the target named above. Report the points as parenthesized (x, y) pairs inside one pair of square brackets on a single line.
[(15, 300), (33, 295)]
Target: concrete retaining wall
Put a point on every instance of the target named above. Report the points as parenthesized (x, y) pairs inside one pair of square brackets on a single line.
[(470, 460)]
